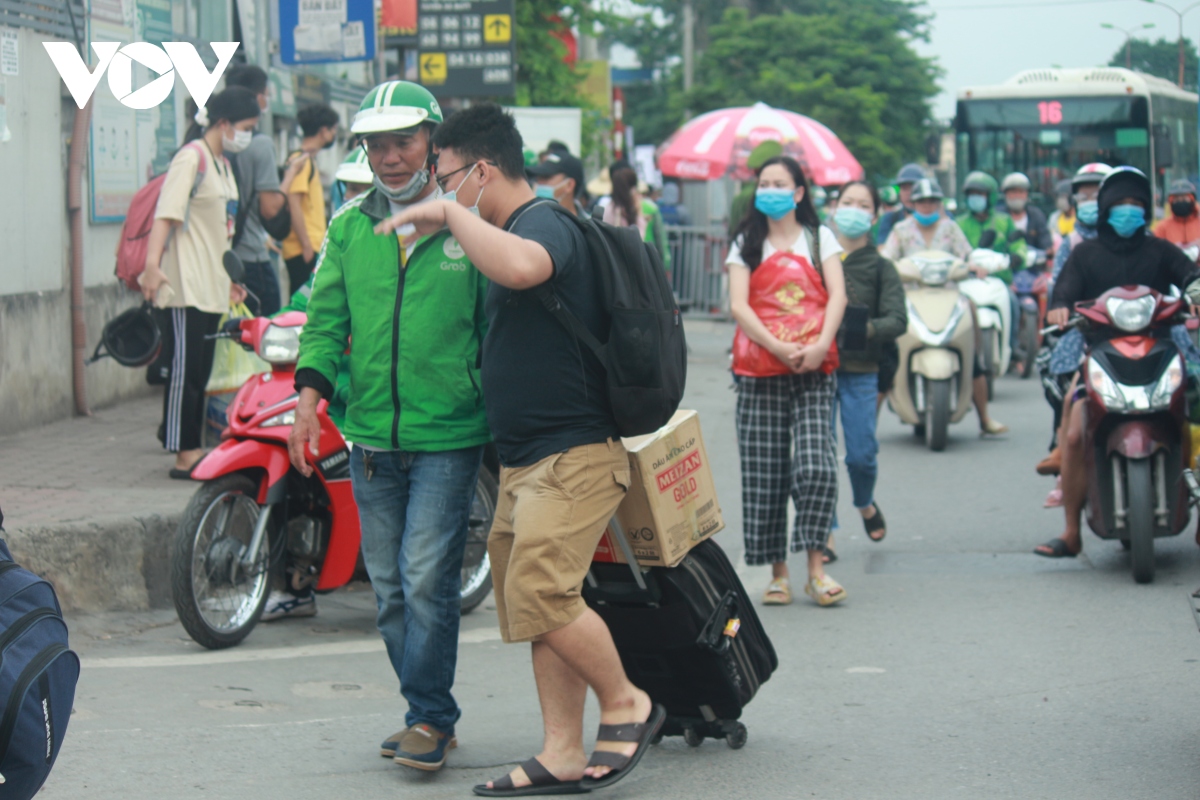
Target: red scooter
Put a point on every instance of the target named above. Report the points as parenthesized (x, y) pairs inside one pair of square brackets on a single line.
[(255, 513), (1136, 439)]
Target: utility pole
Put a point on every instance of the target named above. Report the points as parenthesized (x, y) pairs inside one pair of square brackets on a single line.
[(1180, 15), (1128, 39), (689, 46)]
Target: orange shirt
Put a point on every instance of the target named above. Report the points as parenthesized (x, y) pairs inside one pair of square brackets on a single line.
[(1180, 231)]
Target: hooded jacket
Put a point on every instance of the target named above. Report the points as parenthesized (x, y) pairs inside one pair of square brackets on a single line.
[(1109, 260)]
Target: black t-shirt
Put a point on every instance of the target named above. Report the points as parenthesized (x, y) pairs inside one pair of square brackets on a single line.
[(545, 392)]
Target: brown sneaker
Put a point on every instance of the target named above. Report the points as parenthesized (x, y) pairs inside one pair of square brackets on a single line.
[(388, 748), (1051, 464), (424, 747)]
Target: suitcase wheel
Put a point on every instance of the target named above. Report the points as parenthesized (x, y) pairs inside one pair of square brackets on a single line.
[(736, 736), (692, 736)]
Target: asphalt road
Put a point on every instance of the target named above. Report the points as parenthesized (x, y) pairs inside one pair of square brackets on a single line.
[(960, 666)]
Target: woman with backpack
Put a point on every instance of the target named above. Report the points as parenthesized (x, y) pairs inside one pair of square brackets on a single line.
[(193, 229), (787, 293)]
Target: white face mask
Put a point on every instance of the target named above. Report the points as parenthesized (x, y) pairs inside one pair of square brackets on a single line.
[(452, 195), (239, 142)]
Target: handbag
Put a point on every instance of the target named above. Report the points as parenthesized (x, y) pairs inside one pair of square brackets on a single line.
[(788, 294)]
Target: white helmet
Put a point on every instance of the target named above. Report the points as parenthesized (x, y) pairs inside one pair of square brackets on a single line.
[(355, 169), (1014, 180)]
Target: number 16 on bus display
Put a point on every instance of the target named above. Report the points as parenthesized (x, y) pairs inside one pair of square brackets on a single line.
[(1050, 112)]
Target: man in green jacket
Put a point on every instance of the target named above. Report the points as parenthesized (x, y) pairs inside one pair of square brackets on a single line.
[(414, 313)]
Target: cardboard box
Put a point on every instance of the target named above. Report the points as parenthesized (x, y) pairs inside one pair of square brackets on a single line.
[(672, 501)]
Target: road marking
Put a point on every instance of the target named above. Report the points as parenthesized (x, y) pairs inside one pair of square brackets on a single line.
[(241, 655), (866, 670)]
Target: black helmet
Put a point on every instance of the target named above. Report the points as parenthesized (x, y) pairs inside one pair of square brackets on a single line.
[(132, 338)]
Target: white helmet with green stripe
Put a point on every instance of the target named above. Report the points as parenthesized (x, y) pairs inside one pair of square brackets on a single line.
[(355, 169), (394, 106)]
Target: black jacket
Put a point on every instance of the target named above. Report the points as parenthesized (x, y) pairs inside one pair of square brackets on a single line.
[(1109, 260), (872, 280)]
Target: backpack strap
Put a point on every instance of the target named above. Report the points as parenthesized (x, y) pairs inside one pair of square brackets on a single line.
[(813, 237), (201, 168), (545, 292)]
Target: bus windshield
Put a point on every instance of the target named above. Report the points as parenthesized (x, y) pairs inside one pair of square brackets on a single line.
[(1049, 140)]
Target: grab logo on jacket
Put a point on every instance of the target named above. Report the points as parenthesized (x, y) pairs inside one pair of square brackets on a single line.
[(117, 61), (452, 248)]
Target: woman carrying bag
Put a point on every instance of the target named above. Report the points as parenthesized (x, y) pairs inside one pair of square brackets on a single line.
[(875, 317), (184, 272), (787, 293)]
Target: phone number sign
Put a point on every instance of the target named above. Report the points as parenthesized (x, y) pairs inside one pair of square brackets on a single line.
[(467, 49)]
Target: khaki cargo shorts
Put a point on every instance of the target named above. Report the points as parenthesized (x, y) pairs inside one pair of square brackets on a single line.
[(549, 518)]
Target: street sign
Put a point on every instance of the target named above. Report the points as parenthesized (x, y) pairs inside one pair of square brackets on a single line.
[(467, 48), (324, 31)]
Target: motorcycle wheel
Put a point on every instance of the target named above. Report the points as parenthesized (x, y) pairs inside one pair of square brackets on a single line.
[(477, 568), (937, 415), (989, 359), (1140, 518), (219, 601), (1028, 340)]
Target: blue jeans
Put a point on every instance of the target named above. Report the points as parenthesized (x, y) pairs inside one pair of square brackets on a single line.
[(413, 512), (856, 398)]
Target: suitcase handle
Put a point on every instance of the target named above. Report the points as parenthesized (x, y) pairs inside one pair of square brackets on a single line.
[(627, 551), (712, 637)]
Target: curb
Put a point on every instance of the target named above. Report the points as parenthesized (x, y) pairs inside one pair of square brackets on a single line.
[(116, 565)]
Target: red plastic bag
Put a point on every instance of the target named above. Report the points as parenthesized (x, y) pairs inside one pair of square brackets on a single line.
[(789, 297)]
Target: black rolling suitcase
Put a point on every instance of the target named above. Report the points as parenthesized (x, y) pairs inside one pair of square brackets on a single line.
[(687, 635)]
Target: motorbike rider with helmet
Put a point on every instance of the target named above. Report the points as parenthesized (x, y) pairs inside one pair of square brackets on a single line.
[(1062, 221), (1183, 226), (1122, 253), (1057, 372), (905, 180), (931, 228), (414, 412), (1030, 220)]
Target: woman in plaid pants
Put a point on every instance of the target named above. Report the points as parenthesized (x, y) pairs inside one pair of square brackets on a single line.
[(787, 293)]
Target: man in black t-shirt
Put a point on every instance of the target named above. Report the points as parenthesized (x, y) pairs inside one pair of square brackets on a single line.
[(564, 470)]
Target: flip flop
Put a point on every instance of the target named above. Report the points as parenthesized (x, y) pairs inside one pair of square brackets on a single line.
[(876, 524), (829, 555), (621, 765), (542, 782), (1058, 549)]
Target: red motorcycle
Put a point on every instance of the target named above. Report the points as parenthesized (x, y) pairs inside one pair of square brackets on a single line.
[(1136, 439), (255, 513)]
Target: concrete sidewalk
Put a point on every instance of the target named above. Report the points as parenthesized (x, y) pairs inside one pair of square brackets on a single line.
[(88, 505)]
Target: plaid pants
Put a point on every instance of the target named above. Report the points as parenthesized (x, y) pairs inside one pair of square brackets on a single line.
[(786, 445)]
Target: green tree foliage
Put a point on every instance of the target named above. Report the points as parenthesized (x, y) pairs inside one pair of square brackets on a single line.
[(1161, 58), (843, 64), (543, 78)]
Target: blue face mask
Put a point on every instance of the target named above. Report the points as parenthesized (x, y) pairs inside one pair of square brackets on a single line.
[(927, 219), (852, 222), (978, 203), (543, 191), (1088, 212), (775, 203), (1127, 219)]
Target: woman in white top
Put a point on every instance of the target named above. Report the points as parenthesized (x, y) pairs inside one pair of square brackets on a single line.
[(184, 272), (625, 208), (784, 420)]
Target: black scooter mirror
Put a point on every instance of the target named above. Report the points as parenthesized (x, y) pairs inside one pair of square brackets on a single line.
[(234, 267)]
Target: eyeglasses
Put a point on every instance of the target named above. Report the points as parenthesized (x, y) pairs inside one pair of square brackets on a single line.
[(441, 179)]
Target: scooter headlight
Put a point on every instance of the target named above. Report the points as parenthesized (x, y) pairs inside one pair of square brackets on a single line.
[(934, 271), (1171, 380), (1131, 315), (286, 418), (280, 345), (1103, 385)]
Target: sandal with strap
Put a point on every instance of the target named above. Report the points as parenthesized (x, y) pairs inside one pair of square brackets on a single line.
[(541, 782), (778, 593), (825, 590), (620, 764), (875, 524), (1055, 548)]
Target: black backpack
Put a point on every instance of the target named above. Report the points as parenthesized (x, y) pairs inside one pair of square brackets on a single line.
[(38, 674), (645, 356)]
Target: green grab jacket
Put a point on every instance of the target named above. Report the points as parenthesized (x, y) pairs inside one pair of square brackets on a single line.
[(414, 325), (1009, 239), (341, 391)]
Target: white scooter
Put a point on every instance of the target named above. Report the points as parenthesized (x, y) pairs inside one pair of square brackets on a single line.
[(994, 311)]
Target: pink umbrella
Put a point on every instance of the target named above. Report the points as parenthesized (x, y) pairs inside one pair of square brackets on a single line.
[(718, 143)]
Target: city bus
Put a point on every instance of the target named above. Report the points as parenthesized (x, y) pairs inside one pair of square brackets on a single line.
[(1047, 123)]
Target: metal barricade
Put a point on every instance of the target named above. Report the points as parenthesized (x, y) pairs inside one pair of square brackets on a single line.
[(698, 269)]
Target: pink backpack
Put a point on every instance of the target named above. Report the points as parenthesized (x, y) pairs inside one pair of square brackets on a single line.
[(135, 233)]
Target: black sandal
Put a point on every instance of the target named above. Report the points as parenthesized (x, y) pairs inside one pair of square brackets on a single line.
[(828, 554), (541, 782), (1058, 549), (876, 524), (621, 765)]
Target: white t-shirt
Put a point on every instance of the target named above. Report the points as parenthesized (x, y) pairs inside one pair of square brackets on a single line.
[(1022, 223), (829, 247)]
